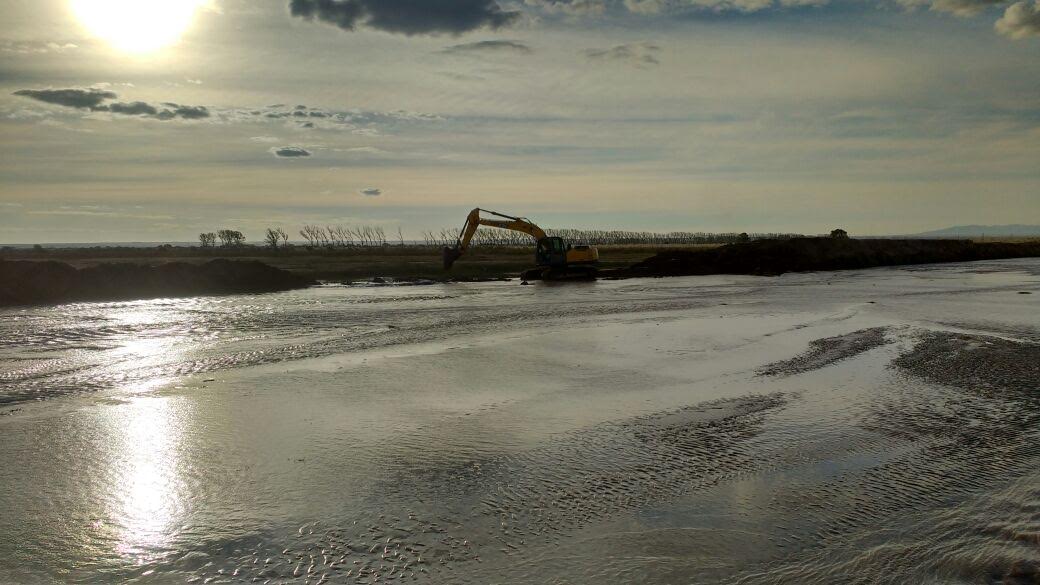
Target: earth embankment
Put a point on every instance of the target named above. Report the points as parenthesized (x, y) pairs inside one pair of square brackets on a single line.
[(774, 257), (29, 283)]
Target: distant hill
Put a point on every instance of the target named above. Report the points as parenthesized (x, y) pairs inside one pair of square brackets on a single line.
[(965, 231)]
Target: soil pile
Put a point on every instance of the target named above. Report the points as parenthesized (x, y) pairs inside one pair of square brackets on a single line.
[(774, 257), (25, 282)]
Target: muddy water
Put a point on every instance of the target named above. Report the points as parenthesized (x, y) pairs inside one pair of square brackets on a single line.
[(879, 426)]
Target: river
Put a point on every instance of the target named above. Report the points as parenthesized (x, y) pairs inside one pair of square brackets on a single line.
[(874, 426)]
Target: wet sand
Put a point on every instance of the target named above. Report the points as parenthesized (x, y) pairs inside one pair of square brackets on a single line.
[(877, 426)]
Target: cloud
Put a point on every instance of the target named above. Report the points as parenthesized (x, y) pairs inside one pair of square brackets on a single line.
[(94, 212), (649, 7), (36, 47), (186, 112), (371, 192), (1020, 21), (572, 7), (87, 99), (133, 109), (964, 7), (290, 152), (645, 6), (366, 150), (498, 46), (408, 17), (93, 99), (637, 54)]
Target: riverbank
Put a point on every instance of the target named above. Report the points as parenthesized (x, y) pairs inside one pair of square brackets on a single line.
[(27, 282), (65, 275), (345, 264), (775, 257)]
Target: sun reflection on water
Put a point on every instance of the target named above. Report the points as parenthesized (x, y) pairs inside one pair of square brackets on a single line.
[(144, 350), (146, 433), (147, 490)]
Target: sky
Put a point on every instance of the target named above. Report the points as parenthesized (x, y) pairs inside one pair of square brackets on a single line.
[(136, 120)]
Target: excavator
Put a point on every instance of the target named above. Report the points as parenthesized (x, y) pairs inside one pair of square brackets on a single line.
[(554, 259)]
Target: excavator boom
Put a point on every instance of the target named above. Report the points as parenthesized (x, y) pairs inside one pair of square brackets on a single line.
[(474, 221)]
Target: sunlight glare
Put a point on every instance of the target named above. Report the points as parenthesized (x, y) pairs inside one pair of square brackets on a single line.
[(137, 26)]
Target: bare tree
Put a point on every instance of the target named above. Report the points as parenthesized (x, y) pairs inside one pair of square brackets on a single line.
[(231, 238), (284, 237), (271, 238), (207, 239), (311, 234)]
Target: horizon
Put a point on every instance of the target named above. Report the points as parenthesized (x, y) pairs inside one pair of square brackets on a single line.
[(956, 232), (878, 116)]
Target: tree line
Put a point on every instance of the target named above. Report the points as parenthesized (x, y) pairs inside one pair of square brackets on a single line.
[(228, 239), (335, 236), (494, 237), (332, 236)]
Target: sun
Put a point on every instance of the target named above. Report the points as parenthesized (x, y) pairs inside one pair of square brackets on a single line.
[(136, 26)]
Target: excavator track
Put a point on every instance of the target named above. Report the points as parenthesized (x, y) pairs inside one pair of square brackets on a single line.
[(556, 274)]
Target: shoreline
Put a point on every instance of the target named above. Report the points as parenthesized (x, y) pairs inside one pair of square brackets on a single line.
[(78, 275)]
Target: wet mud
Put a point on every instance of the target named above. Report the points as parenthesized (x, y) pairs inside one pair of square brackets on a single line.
[(975, 362), (500, 511), (824, 352)]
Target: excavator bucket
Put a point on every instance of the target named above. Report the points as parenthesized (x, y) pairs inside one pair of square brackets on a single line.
[(450, 256)]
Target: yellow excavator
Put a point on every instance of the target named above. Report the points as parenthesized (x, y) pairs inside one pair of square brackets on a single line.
[(554, 259)]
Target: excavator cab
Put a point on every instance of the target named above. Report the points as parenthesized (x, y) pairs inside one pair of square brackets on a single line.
[(551, 251)]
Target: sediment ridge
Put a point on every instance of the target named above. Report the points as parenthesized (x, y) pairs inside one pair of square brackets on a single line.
[(28, 282), (775, 257)]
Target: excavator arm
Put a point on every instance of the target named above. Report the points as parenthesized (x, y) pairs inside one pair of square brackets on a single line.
[(474, 221)]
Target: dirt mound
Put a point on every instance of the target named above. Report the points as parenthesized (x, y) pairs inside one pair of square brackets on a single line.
[(24, 282), (773, 257)]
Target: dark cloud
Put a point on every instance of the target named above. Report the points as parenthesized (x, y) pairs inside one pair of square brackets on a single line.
[(488, 46), (290, 152), (133, 109), (185, 112), (351, 119), (371, 192), (638, 54), (408, 17), (1020, 21), (92, 99), (86, 99)]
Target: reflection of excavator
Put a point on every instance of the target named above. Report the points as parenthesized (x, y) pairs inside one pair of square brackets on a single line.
[(554, 259)]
